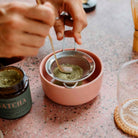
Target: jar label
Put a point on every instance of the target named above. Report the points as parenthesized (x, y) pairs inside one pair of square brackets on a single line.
[(16, 107)]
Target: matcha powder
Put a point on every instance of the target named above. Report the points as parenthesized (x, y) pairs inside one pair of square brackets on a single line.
[(8, 78), (77, 73)]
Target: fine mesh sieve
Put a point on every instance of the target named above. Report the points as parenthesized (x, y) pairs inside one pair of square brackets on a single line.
[(72, 57)]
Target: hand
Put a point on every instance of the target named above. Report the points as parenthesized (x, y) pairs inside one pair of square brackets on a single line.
[(23, 28), (75, 10)]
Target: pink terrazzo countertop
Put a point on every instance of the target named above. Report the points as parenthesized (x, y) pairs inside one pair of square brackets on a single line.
[(110, 36)]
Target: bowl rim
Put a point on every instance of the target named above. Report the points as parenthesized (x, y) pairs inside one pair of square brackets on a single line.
[(91, 64), (62, 87)]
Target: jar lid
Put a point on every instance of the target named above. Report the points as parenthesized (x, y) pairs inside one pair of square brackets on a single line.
[(12, 79)]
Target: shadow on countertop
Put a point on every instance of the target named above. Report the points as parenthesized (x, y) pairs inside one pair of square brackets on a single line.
[(8, 61)]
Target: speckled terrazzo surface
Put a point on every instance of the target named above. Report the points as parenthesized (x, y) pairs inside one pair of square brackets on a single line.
[(110, 36)]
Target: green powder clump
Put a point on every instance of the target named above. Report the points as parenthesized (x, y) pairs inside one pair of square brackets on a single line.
[(77, 72)]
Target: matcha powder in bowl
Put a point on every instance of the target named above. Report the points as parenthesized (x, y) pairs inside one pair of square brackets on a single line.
[(81, 63), (76, 73)]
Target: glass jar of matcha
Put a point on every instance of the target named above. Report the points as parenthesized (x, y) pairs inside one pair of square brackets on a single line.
[(15, 96)]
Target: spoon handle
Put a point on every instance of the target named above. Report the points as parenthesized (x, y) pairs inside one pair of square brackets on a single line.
[(51, 42)]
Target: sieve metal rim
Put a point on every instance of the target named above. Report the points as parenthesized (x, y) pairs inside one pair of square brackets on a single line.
[(66, 53)]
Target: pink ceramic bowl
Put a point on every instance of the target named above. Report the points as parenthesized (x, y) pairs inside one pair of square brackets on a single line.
[(75, 96)]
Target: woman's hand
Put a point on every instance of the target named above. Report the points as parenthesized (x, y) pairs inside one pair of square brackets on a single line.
[(23, 28), (78, 18)]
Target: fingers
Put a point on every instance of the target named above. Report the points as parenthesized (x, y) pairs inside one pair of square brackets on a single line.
[(21, 24), (31, 40), (24, 47), (69, 33), (17, 50), (36, 20), (24, 27), (18, 38), (44, 13), (15, 43), (78, 22), (60, 26), (75, 9), (78, 25), (23, 50), (35, 27), (77, 32), (2, 11), (68, 22)]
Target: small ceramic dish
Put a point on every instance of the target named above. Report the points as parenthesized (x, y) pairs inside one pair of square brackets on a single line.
[(81, 94)]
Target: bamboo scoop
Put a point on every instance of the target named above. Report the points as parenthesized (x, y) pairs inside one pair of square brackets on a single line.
[(63, 69), (134, 8)]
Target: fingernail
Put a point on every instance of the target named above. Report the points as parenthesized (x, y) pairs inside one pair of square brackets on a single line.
[(79, 41), (59, 35)]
